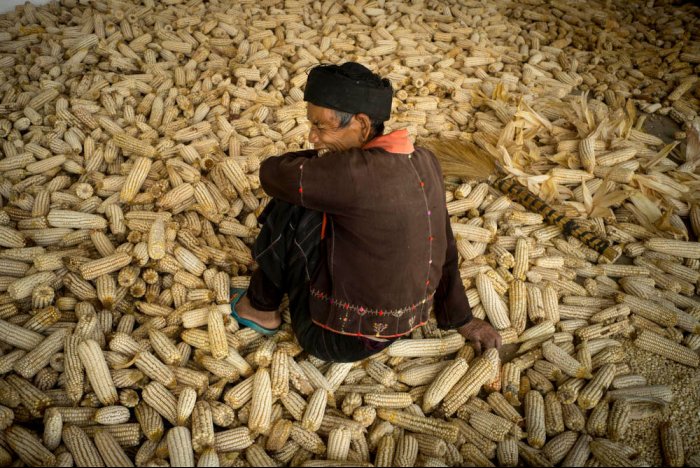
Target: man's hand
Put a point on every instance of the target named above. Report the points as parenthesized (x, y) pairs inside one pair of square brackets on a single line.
[(481, 334)]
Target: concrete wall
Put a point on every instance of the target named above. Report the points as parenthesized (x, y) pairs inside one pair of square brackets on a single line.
[(9, 5)]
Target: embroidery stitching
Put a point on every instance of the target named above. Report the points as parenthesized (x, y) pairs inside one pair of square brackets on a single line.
[(360, 310)]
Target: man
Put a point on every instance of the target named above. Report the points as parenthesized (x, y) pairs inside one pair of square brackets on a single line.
[(359, 238)]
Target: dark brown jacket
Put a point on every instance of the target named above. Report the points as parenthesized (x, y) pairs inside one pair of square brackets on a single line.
[(389, 247)]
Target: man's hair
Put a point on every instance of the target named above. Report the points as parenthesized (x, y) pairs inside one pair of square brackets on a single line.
[(345, 117)]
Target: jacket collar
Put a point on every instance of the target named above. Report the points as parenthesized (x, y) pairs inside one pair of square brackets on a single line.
[(394, 142)]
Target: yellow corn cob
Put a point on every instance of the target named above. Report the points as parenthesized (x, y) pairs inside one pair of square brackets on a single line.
[(557, 448), (421, 425), (339, 444), (150, 421), (553, 415), (28, 448), (261, 405), (473, 456), (510, 383), (656, 344)]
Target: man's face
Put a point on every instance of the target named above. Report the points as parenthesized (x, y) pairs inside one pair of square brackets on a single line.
[(326, 134)]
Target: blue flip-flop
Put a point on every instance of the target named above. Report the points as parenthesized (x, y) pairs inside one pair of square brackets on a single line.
[(236, 295)]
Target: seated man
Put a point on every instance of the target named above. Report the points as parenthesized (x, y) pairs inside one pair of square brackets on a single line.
[(357, 233)]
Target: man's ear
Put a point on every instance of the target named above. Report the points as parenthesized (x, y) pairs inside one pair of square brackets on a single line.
[(365, 125)]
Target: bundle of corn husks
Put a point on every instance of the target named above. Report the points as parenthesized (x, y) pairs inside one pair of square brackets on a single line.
[(132, 133)]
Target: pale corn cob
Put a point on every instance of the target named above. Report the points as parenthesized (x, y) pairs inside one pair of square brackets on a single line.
[(406, 451), (597, 424), (553, 415), (104, 266), (28, 448), (535, 419), (112, 415), (157, 396), (662, 392), (81, 447), (558, 448), (185, 405), (240, 394), (472, 455), (150, 421), (656, 344), (480, 371), (591, 394), (510, 383), (386, 449), (491, 426), (566, 363), (338, 444), (674, 247), (261, 405), (202, 427), (180, 446), (307, 440), (493, 304), (387, 400), (217, 334), (507, 452), (672, 445), (618, 420), (110, 450), (163, 347), (313, 413), (443, 383), (418, 424), (95, 366), (608, 453), (574, 419), (155, 369), (39, 357)]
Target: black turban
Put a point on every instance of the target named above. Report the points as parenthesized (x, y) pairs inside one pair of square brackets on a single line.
[(351, 88)]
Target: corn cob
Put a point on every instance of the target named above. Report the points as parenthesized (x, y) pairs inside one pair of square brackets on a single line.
[(338, 444), (420, 425), (261, 405), (443, 383), (427, 347), (95, 366), (217, 334), (28, 448), (535, 419), (110, 450), (672, 445), (566, 363), (406, 451), (656, 344), (104, 266), (81, 447), (481, 371)]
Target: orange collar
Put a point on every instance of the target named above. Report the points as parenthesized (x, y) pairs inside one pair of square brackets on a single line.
[(394, 142)]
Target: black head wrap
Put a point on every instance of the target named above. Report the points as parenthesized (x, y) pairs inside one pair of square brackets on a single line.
[(351, 88)]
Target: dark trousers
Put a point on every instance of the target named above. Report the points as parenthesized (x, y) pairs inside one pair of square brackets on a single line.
[(288, 252)]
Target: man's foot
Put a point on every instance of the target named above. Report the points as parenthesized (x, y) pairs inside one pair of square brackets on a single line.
[(267, 319)]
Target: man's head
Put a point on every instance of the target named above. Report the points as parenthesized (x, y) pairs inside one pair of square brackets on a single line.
[(348, 105)]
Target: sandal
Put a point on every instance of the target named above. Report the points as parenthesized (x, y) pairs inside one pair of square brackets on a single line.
[(236, 295)]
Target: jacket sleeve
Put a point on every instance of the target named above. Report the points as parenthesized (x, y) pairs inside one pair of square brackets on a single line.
[(302, 178), (451, 305)]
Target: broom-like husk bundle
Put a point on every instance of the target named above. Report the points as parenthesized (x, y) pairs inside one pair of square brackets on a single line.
[(466, 160)]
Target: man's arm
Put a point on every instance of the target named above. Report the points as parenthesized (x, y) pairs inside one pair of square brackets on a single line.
[(301, 178)]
